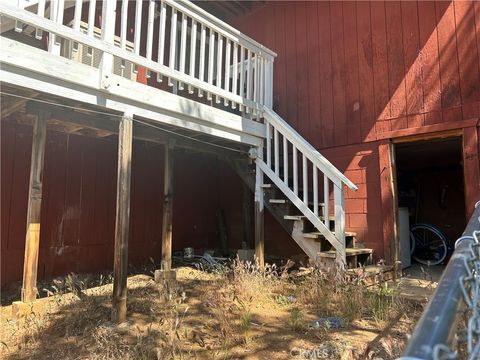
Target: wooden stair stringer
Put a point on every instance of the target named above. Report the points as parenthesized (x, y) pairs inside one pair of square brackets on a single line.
[(278, 211)]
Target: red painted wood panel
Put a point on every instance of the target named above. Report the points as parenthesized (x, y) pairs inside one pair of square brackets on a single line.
[(313, 64), (411, 49), (291, 64), (466, 43), (396, 67), (326, 85), (338, 74), (449, 69), (365, 73), (429, 59), (78, 211), (351, 77), (301, 76), (380, 63), (409, 65)]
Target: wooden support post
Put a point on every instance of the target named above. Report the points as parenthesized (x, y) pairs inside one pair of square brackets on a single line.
[(119, 301), (166, 264), (247, 216), (259, 208), (29, 285)]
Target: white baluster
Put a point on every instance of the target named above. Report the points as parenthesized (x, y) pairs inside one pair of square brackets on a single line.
[(173, 43), (305, 179), (56, 14), (269, 144), (255, 82), (183, 45), (295, 170), (249, 77), (235, 73), (285, 160), (276, 152), (138, 27), (211, 53), (315, 189), (326, 200), (228, 54), (193, 49), (219, 65), (339, 220), (123, 24), (41, 13), (108, 35), (241, 87), (77, 15), (269, 84), (161, 36), (261, 80), (201, 73), (150, 20), (91, 17)]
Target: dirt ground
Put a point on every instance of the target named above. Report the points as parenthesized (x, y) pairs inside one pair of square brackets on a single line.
[(208, 316)]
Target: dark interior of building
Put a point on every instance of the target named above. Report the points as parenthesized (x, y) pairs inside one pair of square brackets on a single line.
[(430, 184)]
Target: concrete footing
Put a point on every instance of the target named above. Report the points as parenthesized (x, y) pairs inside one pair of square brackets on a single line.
[(162, 275), (21, 309)]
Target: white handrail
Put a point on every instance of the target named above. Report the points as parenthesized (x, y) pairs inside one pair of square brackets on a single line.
[(307, 149)]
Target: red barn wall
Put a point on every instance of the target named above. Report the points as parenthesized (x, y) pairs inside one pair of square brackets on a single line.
[(78, 210), (350, 76)]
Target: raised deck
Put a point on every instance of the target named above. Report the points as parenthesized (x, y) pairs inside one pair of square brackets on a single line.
[(170, 64), (176, 65)]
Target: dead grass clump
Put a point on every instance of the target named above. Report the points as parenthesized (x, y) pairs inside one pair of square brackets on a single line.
[(251, 283), (345, 295)]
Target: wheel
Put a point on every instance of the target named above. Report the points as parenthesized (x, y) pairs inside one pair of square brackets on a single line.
[(430, 244)]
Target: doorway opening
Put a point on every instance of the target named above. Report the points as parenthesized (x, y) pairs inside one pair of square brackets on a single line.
[(430, 191)]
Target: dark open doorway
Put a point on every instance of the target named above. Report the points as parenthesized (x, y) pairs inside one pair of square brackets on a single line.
[(430, 190)]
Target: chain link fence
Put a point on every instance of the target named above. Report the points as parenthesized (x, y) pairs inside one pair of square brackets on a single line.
[(440, 332)]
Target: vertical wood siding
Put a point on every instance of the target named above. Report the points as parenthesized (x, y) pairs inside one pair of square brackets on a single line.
[(351, 75), (348, 72), (78, 214)]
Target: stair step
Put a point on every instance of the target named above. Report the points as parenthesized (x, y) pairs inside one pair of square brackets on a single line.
[(302, 217), (266, 186), (317, 234), (349, 252), (294, 217), (277, 201)]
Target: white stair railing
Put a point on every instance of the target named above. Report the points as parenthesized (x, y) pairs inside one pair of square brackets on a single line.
[(312, 163)]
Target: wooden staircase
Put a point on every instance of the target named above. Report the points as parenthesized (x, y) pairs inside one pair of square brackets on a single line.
[(318, 249)]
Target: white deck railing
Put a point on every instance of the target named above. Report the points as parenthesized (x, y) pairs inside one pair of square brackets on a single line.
[(174, 40)]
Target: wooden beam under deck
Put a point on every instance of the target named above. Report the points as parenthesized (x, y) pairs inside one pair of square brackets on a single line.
[(102, 125), (120, 265)]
